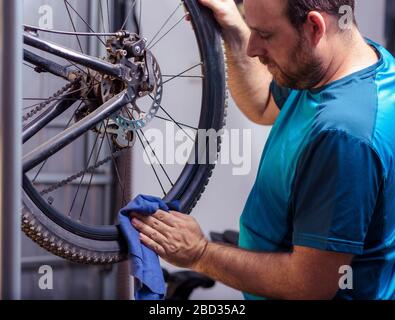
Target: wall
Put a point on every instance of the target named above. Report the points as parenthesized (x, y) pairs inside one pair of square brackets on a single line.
[(370, 17)]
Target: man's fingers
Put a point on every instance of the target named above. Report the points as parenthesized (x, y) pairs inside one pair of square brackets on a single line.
[(209, 4), (154, 234), (166, 218), (159, 220), (178, 214), (152, 244)]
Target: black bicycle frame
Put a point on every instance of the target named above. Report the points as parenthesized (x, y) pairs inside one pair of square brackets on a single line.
[(115, 70), (64, 138), (70, 134)]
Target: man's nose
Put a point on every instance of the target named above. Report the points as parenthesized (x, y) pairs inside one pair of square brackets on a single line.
[(255, 47)]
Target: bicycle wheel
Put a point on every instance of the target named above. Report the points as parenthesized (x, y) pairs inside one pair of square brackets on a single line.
[(59, 210)]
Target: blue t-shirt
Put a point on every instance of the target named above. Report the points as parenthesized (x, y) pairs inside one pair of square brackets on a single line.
[(326, 179)]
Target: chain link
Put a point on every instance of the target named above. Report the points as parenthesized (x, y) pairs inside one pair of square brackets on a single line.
[(46, 103), (90, 169)]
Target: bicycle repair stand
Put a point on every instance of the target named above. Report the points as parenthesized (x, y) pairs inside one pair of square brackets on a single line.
[(10, 148)]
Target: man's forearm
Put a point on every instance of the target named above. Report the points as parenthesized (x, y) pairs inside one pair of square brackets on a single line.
[(263, 274), (304, 273), (248, 79)]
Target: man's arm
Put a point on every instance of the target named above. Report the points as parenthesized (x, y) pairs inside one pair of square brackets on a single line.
[(248, 79), (304, 273)]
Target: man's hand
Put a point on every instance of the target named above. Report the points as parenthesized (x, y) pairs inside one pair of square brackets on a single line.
[(248, 78), (174, 236), (226, 13)]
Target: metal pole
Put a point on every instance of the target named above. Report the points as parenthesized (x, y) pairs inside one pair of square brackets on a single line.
[(10, 147), (124, 280), (122, 197)]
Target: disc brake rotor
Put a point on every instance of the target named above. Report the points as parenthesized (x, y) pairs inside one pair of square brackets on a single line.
[(145, 69), (143, 118)]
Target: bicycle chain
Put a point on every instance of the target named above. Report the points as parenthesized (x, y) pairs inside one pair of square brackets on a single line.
[(45, 103), (90, 169)]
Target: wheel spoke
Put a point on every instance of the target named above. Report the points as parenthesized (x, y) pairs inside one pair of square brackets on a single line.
[(172, 28), (164, 24), (180, 123), (67, 125), (183, 72), (108, 17), (91, 178), (173, 120), (140, 15), (72, 23), (83, 20), (102, 16), (121, 184), (152, 166), (129, 13), (86, 167), (153, 151), (181, 76)]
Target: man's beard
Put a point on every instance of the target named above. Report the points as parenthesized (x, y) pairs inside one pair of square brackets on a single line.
[(309, 69)]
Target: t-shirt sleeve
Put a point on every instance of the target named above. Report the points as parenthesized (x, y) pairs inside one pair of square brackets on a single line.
[(280, 94), (335, 192)]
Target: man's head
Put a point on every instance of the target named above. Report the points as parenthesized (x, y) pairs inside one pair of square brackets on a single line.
[(292, 37)]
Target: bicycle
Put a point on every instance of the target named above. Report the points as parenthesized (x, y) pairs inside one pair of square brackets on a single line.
[(109, 101)]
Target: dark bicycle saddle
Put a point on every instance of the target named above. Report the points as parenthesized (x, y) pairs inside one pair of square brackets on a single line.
[(228, 236), (181, 284)]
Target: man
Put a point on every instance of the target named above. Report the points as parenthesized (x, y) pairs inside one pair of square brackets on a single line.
[(324, 197)]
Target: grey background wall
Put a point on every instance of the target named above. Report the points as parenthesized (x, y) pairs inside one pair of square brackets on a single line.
[(370, 17)]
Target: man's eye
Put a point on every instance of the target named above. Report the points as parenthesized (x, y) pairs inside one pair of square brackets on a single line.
[(265, 36)]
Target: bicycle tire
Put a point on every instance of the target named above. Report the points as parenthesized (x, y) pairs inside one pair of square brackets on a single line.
[(103, 245)]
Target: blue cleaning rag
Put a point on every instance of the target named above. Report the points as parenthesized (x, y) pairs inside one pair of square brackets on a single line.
[(149, 283)]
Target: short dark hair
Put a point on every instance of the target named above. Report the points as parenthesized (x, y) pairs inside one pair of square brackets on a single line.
[(298, 10)]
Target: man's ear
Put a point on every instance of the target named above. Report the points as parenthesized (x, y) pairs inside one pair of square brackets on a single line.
[(315, 27)]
